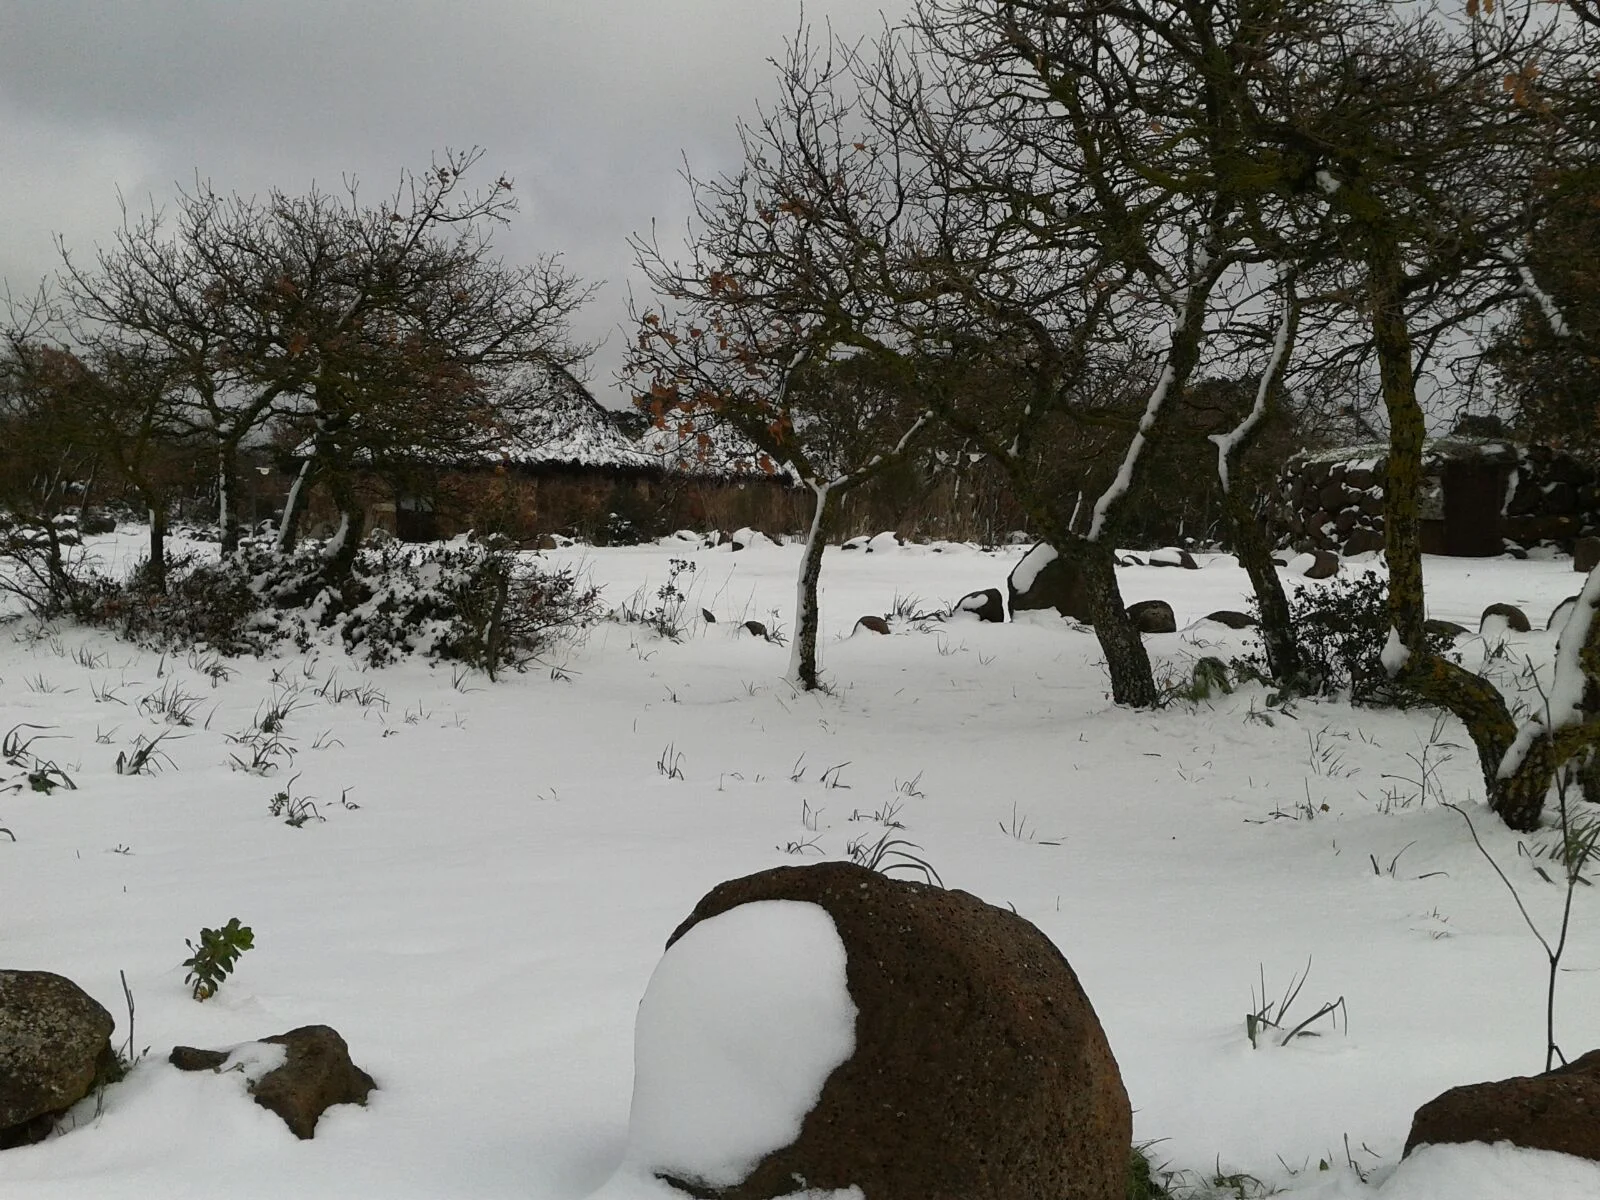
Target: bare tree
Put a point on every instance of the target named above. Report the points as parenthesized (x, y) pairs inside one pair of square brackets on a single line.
[(771, 331), (366, 328)]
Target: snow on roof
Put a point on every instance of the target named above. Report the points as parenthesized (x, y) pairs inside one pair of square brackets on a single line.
[(713, 450), (562, 423)]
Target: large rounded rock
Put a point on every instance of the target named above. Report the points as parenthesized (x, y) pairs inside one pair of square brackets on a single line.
[(55, 1041), (980, 1070), (1559, 1110), (1152, 616), (1043, 579), (1508, 616), (987, 605)]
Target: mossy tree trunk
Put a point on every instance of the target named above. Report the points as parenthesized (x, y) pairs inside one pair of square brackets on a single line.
[(1518, 797)]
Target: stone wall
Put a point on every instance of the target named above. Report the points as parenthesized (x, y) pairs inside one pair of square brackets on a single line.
[(1479, 497)]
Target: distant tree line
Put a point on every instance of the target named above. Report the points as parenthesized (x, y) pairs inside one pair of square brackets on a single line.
[(350, 333)]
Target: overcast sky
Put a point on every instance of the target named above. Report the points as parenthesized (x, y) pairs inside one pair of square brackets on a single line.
[(588, 104)]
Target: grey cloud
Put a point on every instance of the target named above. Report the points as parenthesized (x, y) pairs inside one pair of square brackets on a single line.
[(588, 104)]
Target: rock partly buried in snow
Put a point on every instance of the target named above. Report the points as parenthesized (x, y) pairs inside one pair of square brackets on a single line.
[(1317, 564), (1172, 556), (754, 629), (1559, 1110), (887, 540), (1500, 617), (1442, 628), (1042, 579), (55, 1042), (987, 605), (978, 1070), (1560, 613), (299, 1075), (872, 624), (1153, 616), (741, 539), (1232, 619), (1363, 541)]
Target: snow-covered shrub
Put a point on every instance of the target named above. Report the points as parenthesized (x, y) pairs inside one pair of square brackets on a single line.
[(477, 602), (204, 603)]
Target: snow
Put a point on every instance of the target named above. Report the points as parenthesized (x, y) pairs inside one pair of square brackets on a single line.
[(742, 1023), (255, 1059), (1394, 655), (482, 927), (1563, 706)]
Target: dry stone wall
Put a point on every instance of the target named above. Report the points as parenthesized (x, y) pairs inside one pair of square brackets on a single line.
[(1333, 500)]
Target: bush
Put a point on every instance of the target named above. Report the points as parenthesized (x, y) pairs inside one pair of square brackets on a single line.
[(1341, 628), (204, 603), (477, 602)]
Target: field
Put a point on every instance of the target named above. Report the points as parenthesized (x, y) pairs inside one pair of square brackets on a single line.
[(483, 884)]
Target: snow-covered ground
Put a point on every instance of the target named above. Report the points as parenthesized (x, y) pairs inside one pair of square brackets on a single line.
[(481, 916)]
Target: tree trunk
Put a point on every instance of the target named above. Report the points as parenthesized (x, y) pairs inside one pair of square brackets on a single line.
[(346, 542), (1519, 800), (299, 492), (803, 650), (1127, 661), (1277, 626), (156, 569), (227, 490)]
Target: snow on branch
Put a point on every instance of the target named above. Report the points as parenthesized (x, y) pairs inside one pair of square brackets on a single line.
[(1190, 304), (1563, 706), (1532, 290), (1228, 443)]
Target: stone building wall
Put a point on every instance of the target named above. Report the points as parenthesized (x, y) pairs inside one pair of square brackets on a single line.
[(1479, 497)]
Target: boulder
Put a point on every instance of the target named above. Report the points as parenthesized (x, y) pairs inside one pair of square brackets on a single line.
[(1153, 616), (1586, 554), (872, 624), (755, 629), (1559, 1110), (1232, 619), (979, 1068), (1443, 628), (55, 1044), (1042, 579), (316, 1073), (1173, 556), (1560, 613), (1516, 620), (1315, 564), (987, 605), (1363, 540)]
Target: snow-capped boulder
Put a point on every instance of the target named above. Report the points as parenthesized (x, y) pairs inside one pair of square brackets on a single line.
[(987, 605), (1173, 556), (1499, 618), (55, 1041), (1043, 579), (1560, 613), (1554, 1111), (956, 1056)]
